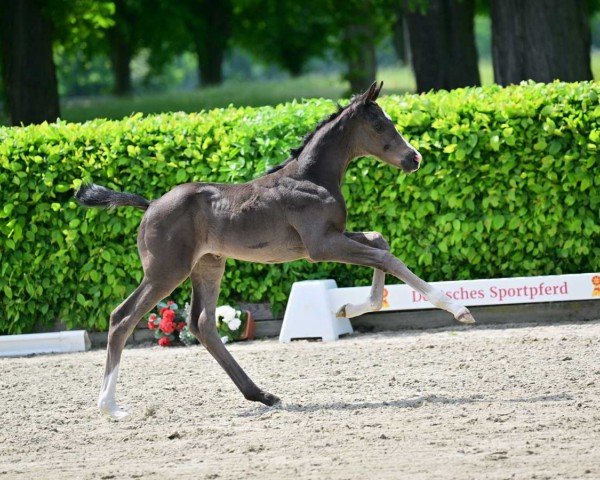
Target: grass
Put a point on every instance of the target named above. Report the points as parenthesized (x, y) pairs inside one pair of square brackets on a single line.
[(233, 92), (248, 93)]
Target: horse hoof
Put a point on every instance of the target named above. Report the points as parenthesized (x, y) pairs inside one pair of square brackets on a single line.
[(341, 313), (115, 413), (466, 318), (269, 399)]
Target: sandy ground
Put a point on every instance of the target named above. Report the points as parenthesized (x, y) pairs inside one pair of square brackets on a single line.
[(493, 403)]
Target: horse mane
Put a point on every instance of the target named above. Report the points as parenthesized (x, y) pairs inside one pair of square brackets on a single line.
[(295, 152)]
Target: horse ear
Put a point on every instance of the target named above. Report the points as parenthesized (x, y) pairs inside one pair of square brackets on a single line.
[(377, 91), (368, 95)]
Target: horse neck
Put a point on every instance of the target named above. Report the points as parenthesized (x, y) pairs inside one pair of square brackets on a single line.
[(325, 159)]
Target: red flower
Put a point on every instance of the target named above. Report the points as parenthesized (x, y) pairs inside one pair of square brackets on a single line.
[(152, 317), (167, 327), (151, 325), (168, 315), (164, 341), (163, 310), (170, 302), (180, 326)]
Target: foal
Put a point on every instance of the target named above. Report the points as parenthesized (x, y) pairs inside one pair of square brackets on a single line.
[(294, 211)]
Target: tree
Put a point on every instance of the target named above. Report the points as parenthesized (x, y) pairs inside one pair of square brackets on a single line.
[(122, 41), (358, 26), (208, 24), (358, 49), (29, 28), (135, 27), (285, 32), (28, 71), (400, 35), (442, 43), (541, 40)]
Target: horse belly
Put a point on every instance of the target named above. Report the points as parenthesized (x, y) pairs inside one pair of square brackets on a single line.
[(261, 240), (268, 255)]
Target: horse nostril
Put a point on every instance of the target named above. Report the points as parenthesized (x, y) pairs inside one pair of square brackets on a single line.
[(386, 147)]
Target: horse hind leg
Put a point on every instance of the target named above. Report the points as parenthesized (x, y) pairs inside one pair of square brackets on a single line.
[(122, 323), (206, 284), (375, 300)]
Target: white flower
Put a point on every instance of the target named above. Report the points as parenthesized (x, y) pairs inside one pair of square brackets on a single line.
[(225, 312), (225, 339), (234, 324)]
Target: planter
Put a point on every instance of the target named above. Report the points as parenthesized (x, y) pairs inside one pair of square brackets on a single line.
[(250, 327)]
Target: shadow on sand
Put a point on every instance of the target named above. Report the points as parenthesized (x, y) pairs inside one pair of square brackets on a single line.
[(414, 402)]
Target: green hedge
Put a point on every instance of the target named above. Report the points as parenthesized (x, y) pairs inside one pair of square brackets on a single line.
[(509, 186)]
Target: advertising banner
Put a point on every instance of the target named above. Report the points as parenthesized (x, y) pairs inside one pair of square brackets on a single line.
[(498, 291)]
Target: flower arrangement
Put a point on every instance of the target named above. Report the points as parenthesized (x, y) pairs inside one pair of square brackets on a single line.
[(170, 325), (230, 322)]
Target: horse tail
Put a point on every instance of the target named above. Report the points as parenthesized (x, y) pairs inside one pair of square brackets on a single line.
[(92, 195)]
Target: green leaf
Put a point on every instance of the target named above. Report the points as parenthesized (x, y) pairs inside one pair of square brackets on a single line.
[(498, 222), (8, 292), (514, 223), (586, 183), (495, 142), (450, 148), (181, 176)]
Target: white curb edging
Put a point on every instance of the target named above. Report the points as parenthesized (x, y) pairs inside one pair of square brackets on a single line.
[(53, 342)]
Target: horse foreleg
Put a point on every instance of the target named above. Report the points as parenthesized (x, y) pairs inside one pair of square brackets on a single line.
[(340, 248), (375, 300), (206, 284)]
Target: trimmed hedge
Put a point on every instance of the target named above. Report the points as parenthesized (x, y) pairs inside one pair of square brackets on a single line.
[(509, 186)]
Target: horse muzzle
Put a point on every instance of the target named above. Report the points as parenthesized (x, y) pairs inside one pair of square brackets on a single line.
[(411, 162)]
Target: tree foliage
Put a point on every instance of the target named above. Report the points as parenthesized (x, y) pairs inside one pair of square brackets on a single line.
[(287, 33), (80, 24)]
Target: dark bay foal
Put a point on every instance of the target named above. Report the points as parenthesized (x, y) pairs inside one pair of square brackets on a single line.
[(295, 211)]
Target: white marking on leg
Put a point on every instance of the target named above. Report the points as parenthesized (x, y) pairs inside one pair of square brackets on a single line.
[(439, 299), (351, 310), (106, 401), (375, 300)]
